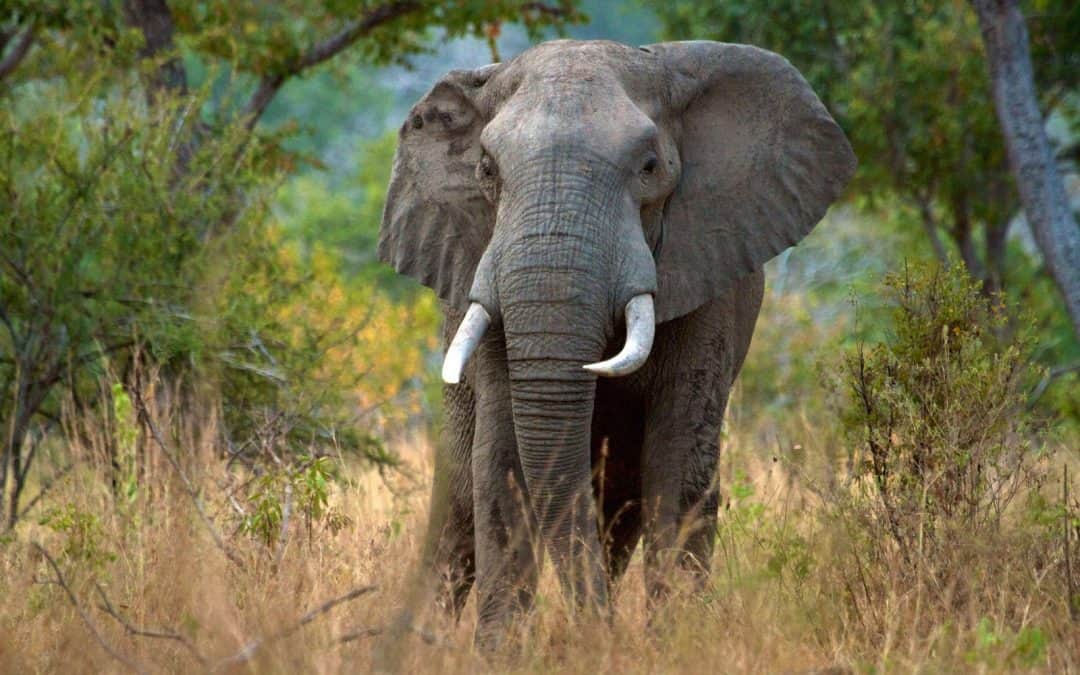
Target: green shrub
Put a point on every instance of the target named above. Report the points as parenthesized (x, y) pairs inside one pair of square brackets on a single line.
[(936, 412)]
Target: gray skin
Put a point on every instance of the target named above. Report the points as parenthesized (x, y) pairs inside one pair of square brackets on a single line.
[(552, 189)]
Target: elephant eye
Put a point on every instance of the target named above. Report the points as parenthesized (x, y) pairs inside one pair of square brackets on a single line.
[(486, 169), (650, 166), (487, 174)]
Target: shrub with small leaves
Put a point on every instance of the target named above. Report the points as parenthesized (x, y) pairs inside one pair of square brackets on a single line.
[(936, 412)]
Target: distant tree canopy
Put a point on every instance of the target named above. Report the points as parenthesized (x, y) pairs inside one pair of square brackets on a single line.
[(135, 233), (908, 82)]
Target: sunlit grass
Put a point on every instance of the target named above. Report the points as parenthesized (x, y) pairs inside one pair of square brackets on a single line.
[(791, 590)]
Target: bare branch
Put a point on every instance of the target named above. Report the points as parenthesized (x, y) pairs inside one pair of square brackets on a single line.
[(250, 649), (108, 608), (22, 47), (324, 51), (62, 583)]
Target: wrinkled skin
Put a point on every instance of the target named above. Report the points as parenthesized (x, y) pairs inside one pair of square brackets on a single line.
[(551, 190)]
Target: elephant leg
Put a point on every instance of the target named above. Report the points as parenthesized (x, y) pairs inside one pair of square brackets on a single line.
[(449, 551), (680, 498), (506, 560)]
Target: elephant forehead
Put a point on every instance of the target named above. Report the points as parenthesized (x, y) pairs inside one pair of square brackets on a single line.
[(594, 116)]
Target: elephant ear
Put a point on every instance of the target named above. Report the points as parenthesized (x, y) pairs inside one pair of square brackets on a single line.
[(436, 222), (762, 160)]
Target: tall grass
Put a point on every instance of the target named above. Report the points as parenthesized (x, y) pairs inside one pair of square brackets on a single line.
[(160, 568)]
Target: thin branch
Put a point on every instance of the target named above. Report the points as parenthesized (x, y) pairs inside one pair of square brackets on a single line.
[(323, 51), (1051, 375), (108, 608), (358, 634), (18, 52), (62, 583), (250, 649), (144, 416)]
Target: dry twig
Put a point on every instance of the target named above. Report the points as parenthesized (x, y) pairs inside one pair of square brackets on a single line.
[(108, 608), (250, 649), (62, 583)]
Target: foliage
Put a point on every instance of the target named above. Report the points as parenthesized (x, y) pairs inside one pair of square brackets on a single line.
[(942, 440), (937, 413), (922, 125), (84, 535), (136, 222), (302, 489)]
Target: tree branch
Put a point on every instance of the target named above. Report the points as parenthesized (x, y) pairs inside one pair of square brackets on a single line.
[(62, 583), (324, 51), (250, 649), (108, 608), (18, 52), (1051, 375)]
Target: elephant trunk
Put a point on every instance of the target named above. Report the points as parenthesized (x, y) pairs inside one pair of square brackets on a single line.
[(569, 260), (547, 343)]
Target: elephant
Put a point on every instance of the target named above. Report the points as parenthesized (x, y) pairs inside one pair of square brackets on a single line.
[(594, 218)]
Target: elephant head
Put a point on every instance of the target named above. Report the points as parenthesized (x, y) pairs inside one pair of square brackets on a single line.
[(587, 186)]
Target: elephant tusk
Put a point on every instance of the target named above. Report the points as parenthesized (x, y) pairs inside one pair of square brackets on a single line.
[(640, 329), (465, 340)]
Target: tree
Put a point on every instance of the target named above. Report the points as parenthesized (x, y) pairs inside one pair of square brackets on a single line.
[(133, 220), (907, 82), (1042, 191)]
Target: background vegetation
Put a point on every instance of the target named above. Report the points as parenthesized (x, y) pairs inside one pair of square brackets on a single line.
[(216, 408)]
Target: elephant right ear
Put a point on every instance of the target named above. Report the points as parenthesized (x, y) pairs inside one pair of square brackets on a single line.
[(436, 222)]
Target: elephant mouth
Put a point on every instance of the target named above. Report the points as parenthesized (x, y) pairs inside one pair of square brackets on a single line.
[(640, 330)]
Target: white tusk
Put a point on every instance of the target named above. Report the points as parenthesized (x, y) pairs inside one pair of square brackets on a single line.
[(465, 340), (640, 329)]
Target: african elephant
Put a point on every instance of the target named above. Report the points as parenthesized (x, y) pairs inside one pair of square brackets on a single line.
[(590, 210)]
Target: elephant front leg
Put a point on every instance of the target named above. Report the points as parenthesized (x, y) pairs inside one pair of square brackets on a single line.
[(506, 562), (449, 550), (680, 498)]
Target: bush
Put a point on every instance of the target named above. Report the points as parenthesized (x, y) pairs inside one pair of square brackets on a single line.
[(937, 413)]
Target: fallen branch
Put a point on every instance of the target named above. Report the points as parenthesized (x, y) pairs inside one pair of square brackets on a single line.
[(250, 649), (108, 608), (62, 583)]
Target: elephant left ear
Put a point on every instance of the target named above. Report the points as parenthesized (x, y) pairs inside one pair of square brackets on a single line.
[(762, 160), (436, 222)]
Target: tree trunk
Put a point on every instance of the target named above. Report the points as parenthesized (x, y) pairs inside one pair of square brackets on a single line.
[(1042, 191)]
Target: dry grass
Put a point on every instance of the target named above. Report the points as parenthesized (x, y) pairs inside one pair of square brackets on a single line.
[(795, 589)]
